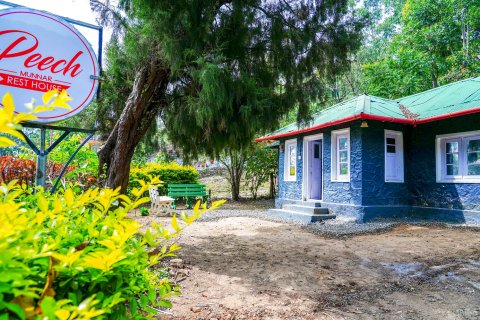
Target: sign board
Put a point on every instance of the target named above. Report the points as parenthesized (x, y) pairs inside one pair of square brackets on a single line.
[(39, 52)]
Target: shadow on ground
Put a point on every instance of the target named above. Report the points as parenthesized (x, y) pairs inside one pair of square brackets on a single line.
[(246, 266)]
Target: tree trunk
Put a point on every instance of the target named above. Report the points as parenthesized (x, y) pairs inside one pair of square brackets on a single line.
[(141, 108), (235, 169), (433, 73), (272, 186)]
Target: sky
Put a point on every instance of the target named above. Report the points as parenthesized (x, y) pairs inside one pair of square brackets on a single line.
[(73, 9)]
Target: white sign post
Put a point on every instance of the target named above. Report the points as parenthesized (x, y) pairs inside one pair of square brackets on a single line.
[(40, 52)]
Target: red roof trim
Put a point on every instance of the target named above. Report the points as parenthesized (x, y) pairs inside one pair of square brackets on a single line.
[(449, 115), (365, 116)]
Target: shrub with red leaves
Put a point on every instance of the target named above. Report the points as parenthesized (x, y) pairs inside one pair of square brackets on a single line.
[(23, 170)]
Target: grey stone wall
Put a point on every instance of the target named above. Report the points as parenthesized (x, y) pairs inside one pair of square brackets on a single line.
[(425, 191), (375, 190), (367, 196)]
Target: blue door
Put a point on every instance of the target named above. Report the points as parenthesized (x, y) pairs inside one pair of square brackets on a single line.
[(315, 170)]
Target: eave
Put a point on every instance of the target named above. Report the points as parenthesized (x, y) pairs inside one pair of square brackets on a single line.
[(366, 116)]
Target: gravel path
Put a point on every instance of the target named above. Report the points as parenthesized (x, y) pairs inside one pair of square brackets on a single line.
[(329, 228), (335, 228)]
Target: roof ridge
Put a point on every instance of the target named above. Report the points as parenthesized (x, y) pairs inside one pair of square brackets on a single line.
[(437, 88)]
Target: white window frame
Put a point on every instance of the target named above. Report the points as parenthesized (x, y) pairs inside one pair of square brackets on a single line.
[(286, 164), (399, 148), (335, 165), (306, 158), (440, 150)]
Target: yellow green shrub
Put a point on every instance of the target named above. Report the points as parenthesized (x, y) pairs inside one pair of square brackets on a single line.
[(77, 255), (166, 172)]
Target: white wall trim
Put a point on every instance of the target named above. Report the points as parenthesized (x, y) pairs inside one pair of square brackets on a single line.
[(440, 178), (333, 154), (307, 139), (399, 145), (286, 165)]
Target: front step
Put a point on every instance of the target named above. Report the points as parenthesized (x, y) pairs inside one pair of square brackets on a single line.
[(305, 209), (305, 217), (312, 204)]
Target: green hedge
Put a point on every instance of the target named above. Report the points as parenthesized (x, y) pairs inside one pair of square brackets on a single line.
[(168, 173)]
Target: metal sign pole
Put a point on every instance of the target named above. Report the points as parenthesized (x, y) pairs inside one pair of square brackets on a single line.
[(43, 152), (41, 170)]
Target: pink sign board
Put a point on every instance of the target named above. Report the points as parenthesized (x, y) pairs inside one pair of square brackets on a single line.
[(40, 52)]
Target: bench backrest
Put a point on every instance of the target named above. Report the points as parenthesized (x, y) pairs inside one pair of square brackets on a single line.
[(187, 190)]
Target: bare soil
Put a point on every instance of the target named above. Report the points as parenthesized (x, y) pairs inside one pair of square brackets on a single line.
[(245, 268)]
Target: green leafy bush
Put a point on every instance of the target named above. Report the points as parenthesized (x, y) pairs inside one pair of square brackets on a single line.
[(75, 255), (166, 172), (144, 211), (261, 166)]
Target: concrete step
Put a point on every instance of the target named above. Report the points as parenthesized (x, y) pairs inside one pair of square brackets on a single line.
[(305, 209), (314, 204), (305, 217)]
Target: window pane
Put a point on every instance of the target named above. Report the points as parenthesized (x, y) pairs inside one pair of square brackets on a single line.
[(343, 168), (343, 156), (452, 158), (292, 170), (316, 151), (391, 149), (342, 143), (474, 170), (390, 140), (473, 145), (452, 147), (452, 170), (474, 158), (293, 155)]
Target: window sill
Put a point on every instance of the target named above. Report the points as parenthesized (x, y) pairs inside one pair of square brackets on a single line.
[(289, 180), (394, 181), (474, 180), (340, 180)]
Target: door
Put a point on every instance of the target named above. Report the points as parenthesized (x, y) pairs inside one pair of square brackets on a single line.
[(315, 170)]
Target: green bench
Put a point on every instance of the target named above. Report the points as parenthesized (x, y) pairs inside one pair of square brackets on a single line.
[(187, 191)]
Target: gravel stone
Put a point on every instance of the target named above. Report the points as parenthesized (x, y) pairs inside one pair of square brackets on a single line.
[(334, 228)]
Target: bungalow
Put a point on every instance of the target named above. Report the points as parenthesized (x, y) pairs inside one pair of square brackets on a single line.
[(369, 157)]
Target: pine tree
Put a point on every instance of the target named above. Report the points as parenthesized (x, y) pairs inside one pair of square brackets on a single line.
[(220, 72)]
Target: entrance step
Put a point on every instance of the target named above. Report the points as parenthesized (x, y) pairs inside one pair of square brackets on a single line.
[(305, 209), (295, 215), (314, 204)]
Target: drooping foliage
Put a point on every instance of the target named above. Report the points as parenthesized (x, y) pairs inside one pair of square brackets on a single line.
[(235, 68)]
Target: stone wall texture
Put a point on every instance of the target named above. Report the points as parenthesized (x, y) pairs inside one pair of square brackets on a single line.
[(367, 193)]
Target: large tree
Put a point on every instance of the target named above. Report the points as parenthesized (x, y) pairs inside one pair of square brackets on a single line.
[(219, 72)]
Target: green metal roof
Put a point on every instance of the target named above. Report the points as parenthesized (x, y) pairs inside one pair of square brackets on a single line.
[(453, 97), (448, 100)]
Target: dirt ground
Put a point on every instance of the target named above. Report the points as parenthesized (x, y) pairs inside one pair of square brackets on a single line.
[(245, 268)]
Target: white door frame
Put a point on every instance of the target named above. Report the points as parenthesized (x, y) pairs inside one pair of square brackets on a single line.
[(305, 156)]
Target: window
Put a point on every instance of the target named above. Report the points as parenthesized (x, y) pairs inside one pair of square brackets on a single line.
[(341, 155), (458, 157), (290, 160), (394, 170)]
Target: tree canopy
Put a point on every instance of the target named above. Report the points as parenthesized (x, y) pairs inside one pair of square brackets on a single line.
[(236, 67), (438, 42)]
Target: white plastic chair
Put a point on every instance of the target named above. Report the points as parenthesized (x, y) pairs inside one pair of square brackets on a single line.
[(160, 204)]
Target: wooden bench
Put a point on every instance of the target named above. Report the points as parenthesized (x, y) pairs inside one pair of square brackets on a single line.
[(187, 191)]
